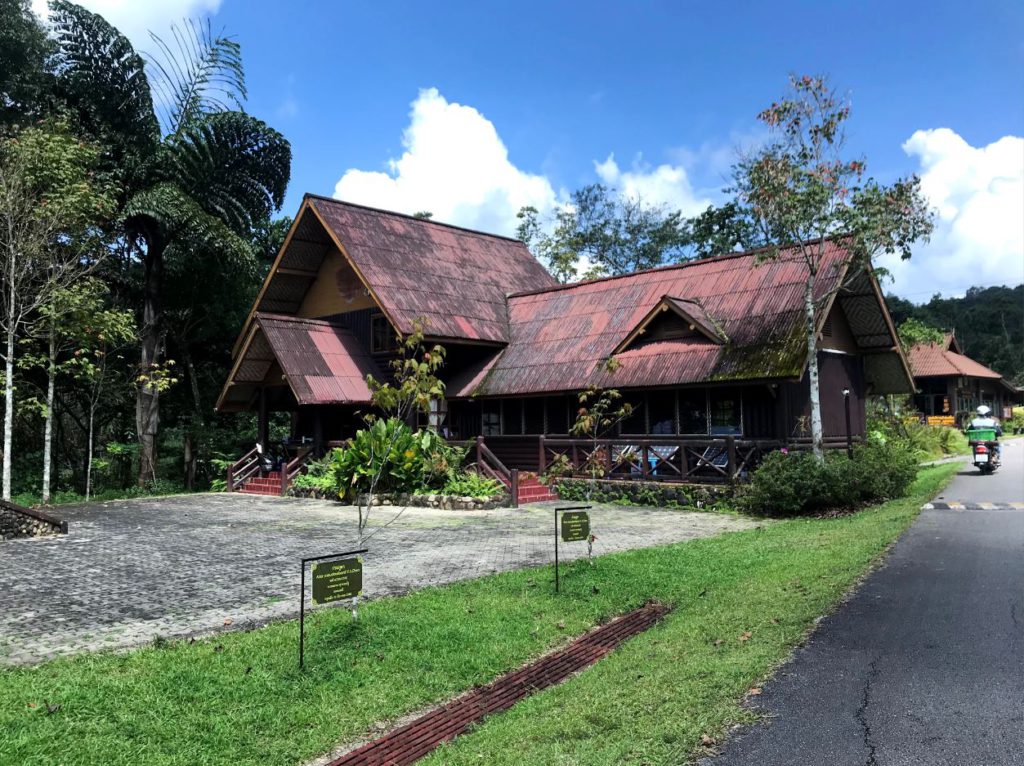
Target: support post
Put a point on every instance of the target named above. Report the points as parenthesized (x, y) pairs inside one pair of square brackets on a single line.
[(231, 478), (556, 552), (849, 436), (479, 452), (302, 617), (730, 446), (541, 456), (264, 422), (514, 486)]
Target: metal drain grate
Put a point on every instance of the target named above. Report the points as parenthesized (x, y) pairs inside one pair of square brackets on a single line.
[(411, 742)]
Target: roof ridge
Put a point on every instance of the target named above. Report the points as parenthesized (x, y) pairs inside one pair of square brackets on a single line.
[(666, 267), (336, 201)]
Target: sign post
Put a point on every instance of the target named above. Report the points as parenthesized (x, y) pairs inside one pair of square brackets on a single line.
[(575, 528), (336, 580)]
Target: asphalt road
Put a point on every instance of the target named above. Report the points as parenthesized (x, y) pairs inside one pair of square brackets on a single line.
[(925, 663)]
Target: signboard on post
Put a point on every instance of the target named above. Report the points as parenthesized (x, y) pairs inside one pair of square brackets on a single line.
[(575, 526), (337, 580)]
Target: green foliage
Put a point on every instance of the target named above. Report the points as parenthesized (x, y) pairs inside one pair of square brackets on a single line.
[(914, 332), (387, 456), (320, 476), (616, 233), (24, 79), (471, 484), (383, 457), (722, 229), (798, 484)]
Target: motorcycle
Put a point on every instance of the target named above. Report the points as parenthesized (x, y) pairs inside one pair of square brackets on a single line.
[(984, 449)]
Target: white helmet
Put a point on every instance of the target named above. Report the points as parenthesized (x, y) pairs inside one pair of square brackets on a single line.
[(983, 410)]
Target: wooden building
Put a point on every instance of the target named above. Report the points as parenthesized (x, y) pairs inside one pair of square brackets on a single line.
[(708, 351), (951, 385)]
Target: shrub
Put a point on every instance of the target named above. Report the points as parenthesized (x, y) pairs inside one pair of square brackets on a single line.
[(320, 476), (796, 484), (471, 484)]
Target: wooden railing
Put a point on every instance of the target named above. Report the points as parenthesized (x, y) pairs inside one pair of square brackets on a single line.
[(293, 468), (653, 458), (242, 469)]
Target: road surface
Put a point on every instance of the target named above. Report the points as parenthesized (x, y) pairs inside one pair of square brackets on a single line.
[(925, 664)]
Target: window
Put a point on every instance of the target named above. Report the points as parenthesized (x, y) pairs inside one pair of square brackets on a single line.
[(533, 416), (512, 420), (490, 419), (436, 415), (661, 411), (636, 423), (725, 414), (382, 337), (693, 412), (558, 413)]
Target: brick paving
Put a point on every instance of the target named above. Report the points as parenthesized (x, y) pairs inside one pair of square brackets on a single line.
[(130, 571)]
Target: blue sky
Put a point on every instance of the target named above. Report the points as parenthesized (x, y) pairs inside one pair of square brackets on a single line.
[(487, 105)]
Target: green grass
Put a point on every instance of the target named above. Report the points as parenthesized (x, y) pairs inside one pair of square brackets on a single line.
[(66, 497), (239, 698)]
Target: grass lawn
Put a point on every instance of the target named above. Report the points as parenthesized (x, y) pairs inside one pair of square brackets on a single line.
[(741, 603)]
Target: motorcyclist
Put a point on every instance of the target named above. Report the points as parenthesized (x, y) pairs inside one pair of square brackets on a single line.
[(985, 420)]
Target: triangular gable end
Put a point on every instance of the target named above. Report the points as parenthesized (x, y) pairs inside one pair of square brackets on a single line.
[(312, 276), (674, 319)]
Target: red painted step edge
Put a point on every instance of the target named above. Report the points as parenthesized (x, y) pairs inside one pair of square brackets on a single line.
[(407, 744)]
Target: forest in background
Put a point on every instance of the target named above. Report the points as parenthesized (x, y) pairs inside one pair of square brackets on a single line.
[(988, 322)]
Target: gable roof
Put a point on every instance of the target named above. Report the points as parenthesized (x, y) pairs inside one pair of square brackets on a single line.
[(322, 362), (560, 336), (689, 311), (453, 278), (929, 360)]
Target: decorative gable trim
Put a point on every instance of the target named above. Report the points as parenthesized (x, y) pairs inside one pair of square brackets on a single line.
[(690, 311)]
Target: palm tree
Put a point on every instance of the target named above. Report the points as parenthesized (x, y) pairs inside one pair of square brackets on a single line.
[(198, 175)]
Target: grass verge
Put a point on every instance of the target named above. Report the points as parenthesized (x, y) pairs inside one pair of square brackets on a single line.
[(742, 601)]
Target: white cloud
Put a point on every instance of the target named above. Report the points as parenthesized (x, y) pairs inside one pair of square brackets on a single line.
[(135, 18), (978, 194), (665, 185), (454, 165)]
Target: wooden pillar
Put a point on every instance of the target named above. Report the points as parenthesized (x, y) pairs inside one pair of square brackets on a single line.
[(264, 423), (730, 445), (318, 431)]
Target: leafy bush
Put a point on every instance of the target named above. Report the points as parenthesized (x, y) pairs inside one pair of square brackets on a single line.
[(319, 476), (796, 484), (471, 484), (406, 461)]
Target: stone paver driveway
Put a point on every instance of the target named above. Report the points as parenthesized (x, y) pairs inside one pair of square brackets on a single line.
[(130, 571)]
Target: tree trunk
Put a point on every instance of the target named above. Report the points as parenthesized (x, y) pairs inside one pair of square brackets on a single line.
[(8, 411), (817, 436), (147, 408), (88, 459), (51, 383)]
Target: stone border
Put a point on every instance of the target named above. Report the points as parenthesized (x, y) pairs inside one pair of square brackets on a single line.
[(443, 502), (17, 521)]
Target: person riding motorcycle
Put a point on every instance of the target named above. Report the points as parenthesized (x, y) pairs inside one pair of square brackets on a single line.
[(985, 420)]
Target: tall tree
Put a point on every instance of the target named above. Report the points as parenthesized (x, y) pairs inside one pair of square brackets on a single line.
[(199, 177), (801, 191), (49, 204), (605, 233), (25, 81), (721, 229)]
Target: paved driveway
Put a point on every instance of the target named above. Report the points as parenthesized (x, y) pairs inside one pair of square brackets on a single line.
[(132, 570), (925, 664)]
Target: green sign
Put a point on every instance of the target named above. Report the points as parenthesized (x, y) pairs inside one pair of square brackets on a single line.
[(337, 580), (575, 526)]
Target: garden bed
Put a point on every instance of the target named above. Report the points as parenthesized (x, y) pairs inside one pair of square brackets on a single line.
[(646, 493)]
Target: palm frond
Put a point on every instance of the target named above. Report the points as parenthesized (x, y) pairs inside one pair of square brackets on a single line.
[(234, 165), (103, 80), (179, 219), (195, 72)]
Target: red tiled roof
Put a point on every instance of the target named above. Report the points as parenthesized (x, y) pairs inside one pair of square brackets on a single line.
[(323, 363), (454, 278), (559, 336), (928, 360)]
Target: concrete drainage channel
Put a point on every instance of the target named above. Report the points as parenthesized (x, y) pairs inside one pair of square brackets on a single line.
[(413, 741)]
